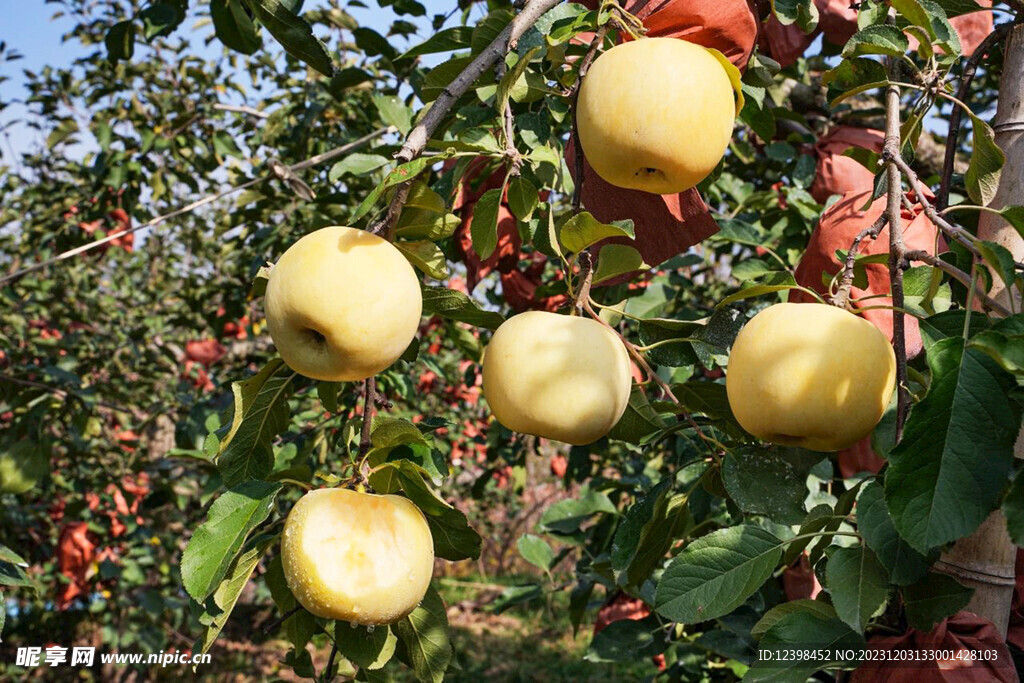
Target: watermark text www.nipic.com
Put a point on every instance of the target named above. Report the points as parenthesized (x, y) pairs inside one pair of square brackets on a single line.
[(55, 656)]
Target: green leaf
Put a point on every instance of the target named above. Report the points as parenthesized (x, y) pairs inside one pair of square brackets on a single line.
[(646, 532), (454, 38), (367, 647), (300, 626), (522, 198), (716, 573), (357, 164), (639, 421), (233, 26), (982, 177), (628, 640), (583, 230), (212, 549), (160, 18), (536, 551), (394, 112), (616, 260), (804, 629), (757, 290), (711, 399), (294, 33), (904, 564), (454, 305), (1006, 350), (804, 13), (22, 465), (398, 175), (822, 520), (426, 256), (999, 259), (773, 616), (770, 481), (934, 598), (327, 392), (484, 229), (454, 538), (15, 576), (438, 78), (877, 40), (230, 589), (11, 557), (120, 41), (511, 79), (424, 636), (1013, 508), (854, 76), (61, 132), (260, 414), (858, 584), (946, 474), (566, 516)]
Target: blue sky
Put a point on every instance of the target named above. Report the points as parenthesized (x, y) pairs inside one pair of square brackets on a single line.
[(31, 31)]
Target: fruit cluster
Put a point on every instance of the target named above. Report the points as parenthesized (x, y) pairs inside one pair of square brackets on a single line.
[(343, 304)]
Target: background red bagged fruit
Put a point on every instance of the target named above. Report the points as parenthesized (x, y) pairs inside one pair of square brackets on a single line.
[(838, 174), (665, 225), (962, 631), (836, 230), (729, 26)]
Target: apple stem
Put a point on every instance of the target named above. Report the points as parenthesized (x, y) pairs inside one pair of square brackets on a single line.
[(586, 279), (369, 400)]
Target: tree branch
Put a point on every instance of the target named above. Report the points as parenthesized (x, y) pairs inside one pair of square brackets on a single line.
[(208, 199), (893, 210), (955, 116), (418, 137), (960, 276), (499, 47), (952, 231)]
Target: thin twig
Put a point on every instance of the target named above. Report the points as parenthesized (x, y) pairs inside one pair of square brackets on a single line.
[(241, 110), (960, 276), (276, 623), (209, 199), (666, 389), (579, 166), (842, 295), (328, 676), (499, 47), (956, 115), (951, 230), (64, 394), (419, 136), (893, 210)]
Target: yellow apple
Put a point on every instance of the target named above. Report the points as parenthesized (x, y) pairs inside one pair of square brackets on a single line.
[(342, 304), (656, 114), (559, 377), (810, 375), (357, 557)]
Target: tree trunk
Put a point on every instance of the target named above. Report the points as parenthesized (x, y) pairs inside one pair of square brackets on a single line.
[(985, 560)]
